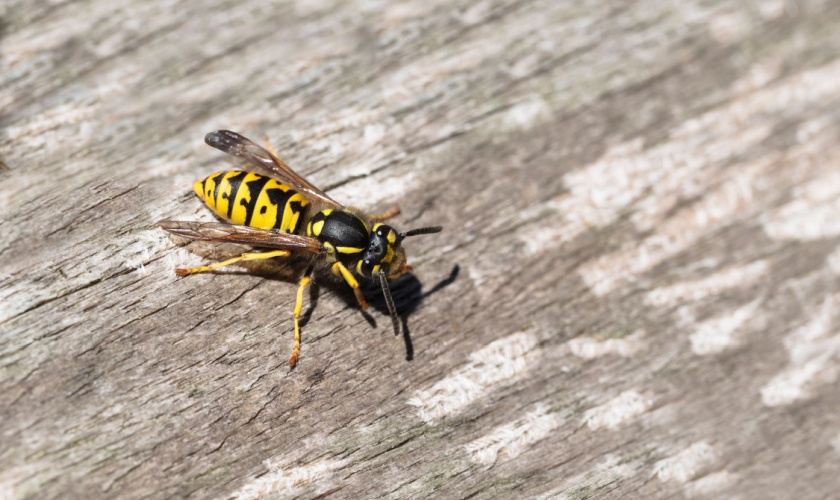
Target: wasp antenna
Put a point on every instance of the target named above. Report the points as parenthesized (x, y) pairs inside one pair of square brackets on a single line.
[(392, 309), (423, 230)]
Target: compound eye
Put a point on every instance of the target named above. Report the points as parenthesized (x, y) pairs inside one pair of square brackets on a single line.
[(367, 262)]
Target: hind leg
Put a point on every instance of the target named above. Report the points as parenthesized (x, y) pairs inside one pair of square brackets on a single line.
[(244, 257), (298, 306), (395, 210)]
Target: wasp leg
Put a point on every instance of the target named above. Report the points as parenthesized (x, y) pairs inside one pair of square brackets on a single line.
[(298, 305), (269, 147), (404, 269), (244, 257), (395, 210), (338, 268)]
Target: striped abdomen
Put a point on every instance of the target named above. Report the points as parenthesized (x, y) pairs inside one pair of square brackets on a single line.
[(252, 200)]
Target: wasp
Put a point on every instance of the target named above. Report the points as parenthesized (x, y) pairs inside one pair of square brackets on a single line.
[(282, 214)]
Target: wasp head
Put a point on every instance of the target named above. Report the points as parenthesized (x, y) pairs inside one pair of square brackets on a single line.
[(384, 254)]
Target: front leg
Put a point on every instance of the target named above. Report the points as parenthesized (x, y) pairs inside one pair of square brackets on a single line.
[(298, 305), (340, 270)]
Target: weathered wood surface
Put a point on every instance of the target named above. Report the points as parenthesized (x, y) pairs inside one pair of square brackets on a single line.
[(640, 201)]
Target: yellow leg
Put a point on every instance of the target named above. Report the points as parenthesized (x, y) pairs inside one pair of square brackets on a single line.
[(298, 305), (269, 147), (404, 269), (351, 280), (395, 210), (244, 257)]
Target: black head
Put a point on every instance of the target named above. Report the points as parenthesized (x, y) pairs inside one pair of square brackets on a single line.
[(384, 253), (381, 250)]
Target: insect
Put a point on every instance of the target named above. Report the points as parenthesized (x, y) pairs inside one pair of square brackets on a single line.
[(284, 215)]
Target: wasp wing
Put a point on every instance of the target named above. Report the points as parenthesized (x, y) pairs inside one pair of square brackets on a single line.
[(232, 233), (237, 145)]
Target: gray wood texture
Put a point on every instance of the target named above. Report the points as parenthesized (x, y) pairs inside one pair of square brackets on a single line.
[(636, 293)]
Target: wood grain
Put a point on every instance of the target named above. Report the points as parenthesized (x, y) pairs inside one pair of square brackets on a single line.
[(635, 295)]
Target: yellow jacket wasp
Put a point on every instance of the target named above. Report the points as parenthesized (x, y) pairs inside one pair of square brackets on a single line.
[(285, 214)]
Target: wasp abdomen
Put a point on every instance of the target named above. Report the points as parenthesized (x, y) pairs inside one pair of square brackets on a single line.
[(252, 200)]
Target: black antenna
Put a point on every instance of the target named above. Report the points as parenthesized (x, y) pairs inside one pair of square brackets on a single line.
[(423, 230), (392, 309)]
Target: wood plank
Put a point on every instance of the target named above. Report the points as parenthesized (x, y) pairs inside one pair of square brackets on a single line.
[(635, 294)]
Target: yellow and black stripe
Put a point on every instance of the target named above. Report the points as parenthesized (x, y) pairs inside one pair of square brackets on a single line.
[(252, 200)]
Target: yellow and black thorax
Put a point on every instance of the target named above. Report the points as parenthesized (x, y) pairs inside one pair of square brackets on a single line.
[(349, 240), (253, 200)]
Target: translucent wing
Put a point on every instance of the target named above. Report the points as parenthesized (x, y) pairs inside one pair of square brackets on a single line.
[(231, 233), (237, 145)]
